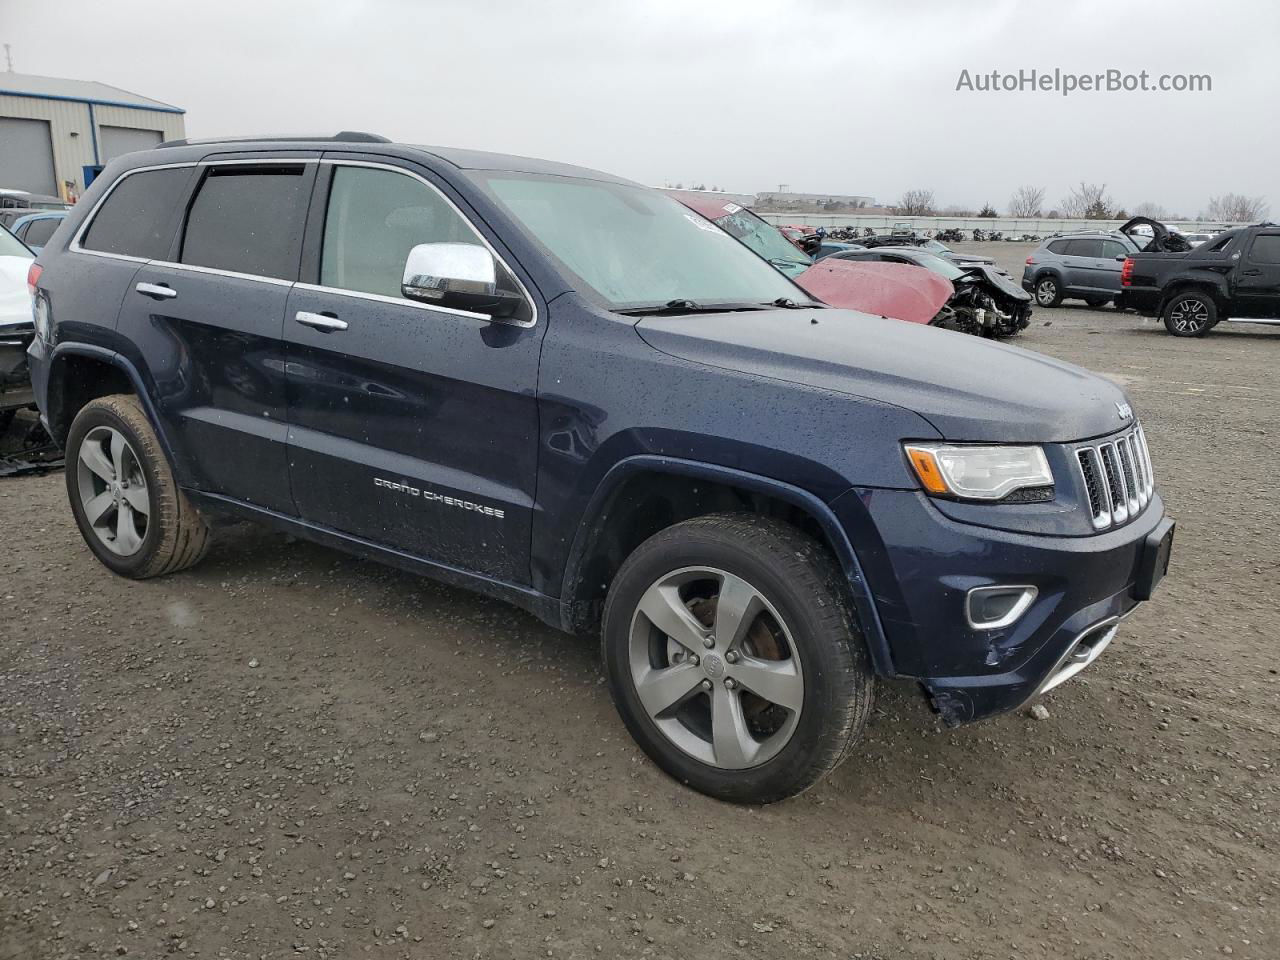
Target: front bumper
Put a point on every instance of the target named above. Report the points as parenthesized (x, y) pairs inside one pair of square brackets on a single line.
[(920, 566)]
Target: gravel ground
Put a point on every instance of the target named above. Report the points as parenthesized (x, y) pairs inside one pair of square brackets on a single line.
[(287, 751)]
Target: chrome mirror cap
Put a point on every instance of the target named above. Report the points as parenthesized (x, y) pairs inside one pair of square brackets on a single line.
[(433, 271)]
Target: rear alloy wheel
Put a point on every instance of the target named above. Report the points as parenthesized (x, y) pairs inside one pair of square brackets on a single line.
[(130, 510), (733, 658), (1190, 314), (1048, 293)]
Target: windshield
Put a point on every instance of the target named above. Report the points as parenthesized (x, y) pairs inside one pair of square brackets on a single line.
[(11, 246), (937, 265), (933, 246), (635, 247), (766, 240)]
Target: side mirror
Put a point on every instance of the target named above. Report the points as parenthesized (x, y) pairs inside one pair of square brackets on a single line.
[(460, 276)]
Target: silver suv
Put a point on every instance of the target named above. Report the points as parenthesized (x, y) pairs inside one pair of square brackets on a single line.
[(1081, 266)]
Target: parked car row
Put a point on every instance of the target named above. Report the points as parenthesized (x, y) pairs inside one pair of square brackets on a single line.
[(568, 391)]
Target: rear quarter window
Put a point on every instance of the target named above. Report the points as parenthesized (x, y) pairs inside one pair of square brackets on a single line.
[(138, 217), (1059, 247)]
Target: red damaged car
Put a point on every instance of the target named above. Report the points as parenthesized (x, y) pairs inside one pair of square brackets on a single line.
[(893, 290)]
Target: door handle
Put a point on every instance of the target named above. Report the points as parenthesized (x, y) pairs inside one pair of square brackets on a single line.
[(156, 291), (320, 321), (1251, 273)]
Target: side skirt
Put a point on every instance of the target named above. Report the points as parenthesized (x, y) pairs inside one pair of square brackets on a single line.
[(546, 609)]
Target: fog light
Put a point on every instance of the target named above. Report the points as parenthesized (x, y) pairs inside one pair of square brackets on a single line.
[(994, 608)]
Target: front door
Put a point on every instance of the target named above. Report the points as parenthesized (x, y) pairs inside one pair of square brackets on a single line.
[(411, 426), (1258, 278), (210, 323)]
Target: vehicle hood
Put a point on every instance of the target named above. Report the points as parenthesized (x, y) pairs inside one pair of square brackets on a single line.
[(968, 388), (893, 290), (1000, 281), (15, 301)]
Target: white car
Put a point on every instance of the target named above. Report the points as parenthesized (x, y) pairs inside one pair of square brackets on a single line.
[(16, 327)]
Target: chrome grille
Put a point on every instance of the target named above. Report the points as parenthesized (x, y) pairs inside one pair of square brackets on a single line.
[(1117, 477)]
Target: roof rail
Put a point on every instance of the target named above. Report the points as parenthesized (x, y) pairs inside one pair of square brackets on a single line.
[(342, 136)]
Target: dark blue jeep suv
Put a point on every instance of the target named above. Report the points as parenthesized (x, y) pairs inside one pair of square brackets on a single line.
[(571, 392)]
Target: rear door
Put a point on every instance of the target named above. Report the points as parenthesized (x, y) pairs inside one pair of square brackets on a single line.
[(1082, 254), (1107, 270), (1257, 281), (207, 320), (411, 426)]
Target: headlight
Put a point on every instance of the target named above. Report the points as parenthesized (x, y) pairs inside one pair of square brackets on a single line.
[(973, 472)]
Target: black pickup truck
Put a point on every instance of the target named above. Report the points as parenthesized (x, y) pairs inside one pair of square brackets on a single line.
[(1234, 276)]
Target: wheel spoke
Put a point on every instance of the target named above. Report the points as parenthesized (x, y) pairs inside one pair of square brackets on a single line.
[(92, 456), (663, 688), (137, 497), (117, 453), (731, 743), (736, 609), (127, 539), (97, 507), (662, 605), (777, 681)]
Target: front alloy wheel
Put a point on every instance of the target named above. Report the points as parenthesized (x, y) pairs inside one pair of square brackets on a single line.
[(715, 668), (734, 658)]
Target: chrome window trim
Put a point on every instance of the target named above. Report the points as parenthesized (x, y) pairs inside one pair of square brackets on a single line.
[(76, 247), (218, 272), (402, 302), (524, 291)]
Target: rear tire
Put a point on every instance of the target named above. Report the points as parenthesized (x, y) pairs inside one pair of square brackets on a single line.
[(703, 716), (1191, 313), (127, 505), (1048, 291)]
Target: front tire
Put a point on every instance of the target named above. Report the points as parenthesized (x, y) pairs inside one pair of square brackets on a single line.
[(1096, 303), (734, 659), (127, 505), (1048, 292), (1190, 314)]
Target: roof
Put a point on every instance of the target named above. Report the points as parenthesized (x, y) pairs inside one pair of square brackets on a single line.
[(83, 91)]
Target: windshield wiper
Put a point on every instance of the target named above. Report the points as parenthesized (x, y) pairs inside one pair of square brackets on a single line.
[(679, 306)]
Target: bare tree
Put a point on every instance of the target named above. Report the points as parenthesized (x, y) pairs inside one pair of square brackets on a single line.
[(1152, 210), (1026, 202), (1235, 207), (1089, 201), (916, 203)]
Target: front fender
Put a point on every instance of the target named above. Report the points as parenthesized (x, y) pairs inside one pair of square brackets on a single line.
[(859, 592)]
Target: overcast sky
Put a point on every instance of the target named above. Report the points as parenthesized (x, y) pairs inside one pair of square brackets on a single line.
[(823, 95)]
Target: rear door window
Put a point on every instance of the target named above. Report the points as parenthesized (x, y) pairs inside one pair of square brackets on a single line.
[(1086, 248), (138, 217), (249, 219), (1265, 249)]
